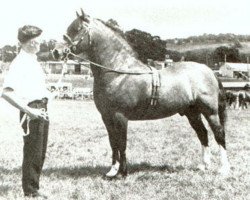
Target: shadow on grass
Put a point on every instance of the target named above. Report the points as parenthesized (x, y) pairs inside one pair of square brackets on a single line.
[(4, 171), (144, 166), (89, 171), (75, 172), (97, 171)]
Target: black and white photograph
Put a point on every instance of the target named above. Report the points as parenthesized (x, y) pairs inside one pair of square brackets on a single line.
[(128, 100)]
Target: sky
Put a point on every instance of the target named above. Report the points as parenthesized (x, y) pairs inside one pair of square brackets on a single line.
[(165, 18)]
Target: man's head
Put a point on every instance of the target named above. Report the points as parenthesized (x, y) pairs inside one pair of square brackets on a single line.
[(28, 37)]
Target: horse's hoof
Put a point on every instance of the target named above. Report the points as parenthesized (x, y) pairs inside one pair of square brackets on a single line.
[(109, 178), (116, 177)]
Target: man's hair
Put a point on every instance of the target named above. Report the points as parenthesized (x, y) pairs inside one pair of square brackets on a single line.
[(27, 33)]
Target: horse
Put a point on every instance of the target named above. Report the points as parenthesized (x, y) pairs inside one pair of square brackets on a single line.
[(123, 87), (247, 98), (244, 99), (233, 98), (244, 96)]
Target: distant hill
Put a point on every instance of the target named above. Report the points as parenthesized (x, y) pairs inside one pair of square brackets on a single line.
[(210, 42)]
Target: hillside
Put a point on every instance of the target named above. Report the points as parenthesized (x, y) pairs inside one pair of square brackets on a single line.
[(245, 49), (210, 42)]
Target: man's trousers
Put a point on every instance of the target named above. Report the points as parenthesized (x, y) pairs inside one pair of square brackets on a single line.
[(34, 149)]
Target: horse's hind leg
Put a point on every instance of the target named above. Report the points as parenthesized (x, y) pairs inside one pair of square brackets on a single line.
[(197, 124), (116, 126), (219, 133)]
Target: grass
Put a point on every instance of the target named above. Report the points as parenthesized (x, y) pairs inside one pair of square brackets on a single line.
[(162, 158)]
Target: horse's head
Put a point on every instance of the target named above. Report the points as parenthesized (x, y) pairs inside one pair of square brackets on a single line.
[(78, 36), (77, 39)]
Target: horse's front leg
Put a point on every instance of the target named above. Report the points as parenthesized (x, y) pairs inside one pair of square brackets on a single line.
[(116, 126), (121, 126)]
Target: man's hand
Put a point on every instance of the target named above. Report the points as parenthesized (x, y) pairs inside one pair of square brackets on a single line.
[(35, 113)]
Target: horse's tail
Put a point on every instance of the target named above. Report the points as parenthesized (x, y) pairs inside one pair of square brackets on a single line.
[(222, 104)]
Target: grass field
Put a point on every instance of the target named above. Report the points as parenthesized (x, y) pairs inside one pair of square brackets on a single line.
[(162, 157)]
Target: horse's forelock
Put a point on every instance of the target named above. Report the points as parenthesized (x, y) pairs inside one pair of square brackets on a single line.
[(74, 27)]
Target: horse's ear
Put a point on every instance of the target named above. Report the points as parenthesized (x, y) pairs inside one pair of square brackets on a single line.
[(77, 14), (83, 16), (82, 12)]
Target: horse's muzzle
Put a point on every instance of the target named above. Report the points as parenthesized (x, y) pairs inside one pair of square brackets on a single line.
[(67, 39)]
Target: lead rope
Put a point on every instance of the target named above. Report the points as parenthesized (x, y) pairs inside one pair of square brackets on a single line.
[(28, 119), (25, 117), (109, 69)]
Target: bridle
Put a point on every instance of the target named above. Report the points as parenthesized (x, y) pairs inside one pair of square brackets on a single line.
[(73, 47), (75, 44)]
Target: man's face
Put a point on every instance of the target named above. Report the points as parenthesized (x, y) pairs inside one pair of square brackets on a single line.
[(35, 44)]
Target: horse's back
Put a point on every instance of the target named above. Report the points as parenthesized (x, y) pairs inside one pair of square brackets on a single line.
[(192, 76), (189, 68)]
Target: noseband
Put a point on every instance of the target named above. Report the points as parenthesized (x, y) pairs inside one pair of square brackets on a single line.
[(74, 44)]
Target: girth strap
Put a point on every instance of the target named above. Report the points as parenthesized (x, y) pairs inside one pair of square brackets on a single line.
[(155, 86)]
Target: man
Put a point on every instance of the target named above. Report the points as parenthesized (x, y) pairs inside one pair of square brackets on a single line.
[(24, 88)]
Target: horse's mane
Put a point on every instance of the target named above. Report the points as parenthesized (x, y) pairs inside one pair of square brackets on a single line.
[(119, 32), (117, 29)]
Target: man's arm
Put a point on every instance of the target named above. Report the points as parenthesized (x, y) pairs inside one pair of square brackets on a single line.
[(10, 96)]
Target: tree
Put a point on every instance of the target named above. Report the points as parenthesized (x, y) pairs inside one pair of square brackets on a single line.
[(44, 46), (51, 44), (230, 54), (9, 53), (45, 53), (147, 46), (112, 22), (174, 55), (237, 44)]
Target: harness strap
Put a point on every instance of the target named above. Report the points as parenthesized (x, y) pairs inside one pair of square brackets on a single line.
[(155, 86)]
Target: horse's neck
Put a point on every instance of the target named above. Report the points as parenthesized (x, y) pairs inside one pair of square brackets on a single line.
[(111, 50)]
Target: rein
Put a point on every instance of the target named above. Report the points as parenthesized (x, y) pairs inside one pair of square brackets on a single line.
[(68, 40), (109, 70)]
